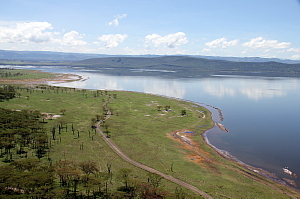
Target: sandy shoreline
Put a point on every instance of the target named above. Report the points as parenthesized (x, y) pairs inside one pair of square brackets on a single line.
[(60, 78)]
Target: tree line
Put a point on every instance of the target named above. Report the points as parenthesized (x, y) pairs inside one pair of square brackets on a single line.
[(5, 73), (21, 132), (7, 92), (33, 178)]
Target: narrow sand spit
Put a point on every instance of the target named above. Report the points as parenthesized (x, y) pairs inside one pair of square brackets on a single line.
[(57, 79)]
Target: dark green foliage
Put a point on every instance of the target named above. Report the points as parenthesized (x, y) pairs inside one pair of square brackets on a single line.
[(26, 177), (9, 72), (22, 131), (32, 178), (7, 92)]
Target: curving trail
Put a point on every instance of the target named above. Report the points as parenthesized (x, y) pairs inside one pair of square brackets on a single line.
[(149, 169)]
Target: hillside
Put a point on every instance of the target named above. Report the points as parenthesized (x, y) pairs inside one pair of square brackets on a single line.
[(62, 56), (193, 66), (151, 65)]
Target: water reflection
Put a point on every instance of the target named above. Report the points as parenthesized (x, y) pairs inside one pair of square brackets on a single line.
[(160, 86), (218, 90), (252, 88), (169, 88)]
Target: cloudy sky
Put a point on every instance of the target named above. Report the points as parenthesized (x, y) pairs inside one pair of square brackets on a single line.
[(260, 28)]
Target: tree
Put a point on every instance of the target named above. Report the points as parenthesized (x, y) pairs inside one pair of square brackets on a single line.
[(167, 107), (148, 191), (93, 121), (63, 111), (183, 112), (154, 179), (159, 107), (124, 176), (88, 167), (99, 117), (69, 175), (27, 164)]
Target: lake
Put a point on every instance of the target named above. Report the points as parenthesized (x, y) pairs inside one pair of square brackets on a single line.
[(262, 114)]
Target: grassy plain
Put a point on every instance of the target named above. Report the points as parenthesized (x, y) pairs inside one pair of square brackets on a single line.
[(81, 106), (33, 77), (26, 74), (142, 131)]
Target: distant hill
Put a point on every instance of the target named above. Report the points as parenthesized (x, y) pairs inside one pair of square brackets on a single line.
[(173, 66), (250, 59), (51, 56), (190, 65), (61, 56), (44, 56)]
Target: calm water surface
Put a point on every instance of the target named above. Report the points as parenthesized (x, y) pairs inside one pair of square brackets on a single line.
[(262, 114)]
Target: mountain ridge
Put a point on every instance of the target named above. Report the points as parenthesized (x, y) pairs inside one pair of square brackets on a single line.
[(64, 56)]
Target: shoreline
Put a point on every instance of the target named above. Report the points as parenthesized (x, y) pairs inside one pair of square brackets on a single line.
[(64, 78), (225, 154), (58, 78)]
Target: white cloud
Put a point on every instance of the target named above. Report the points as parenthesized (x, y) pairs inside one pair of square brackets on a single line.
[(206, 50), (222, 42), (171, 40), (219, 90), (294, 50), (260, 42), (112, 40), (115, 22), (296, 57), (72, 38), (168, 88), (258, 92), (27, 32), (36, 33)]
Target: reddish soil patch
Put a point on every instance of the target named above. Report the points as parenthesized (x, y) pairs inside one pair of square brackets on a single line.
[(196, 154)]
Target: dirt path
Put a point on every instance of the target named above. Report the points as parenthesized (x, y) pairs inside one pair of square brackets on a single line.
[(149, 169)]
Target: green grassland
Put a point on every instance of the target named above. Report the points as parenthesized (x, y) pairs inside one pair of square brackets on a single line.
[(140, 126), (140, 130), (81, 106), (24, 74)]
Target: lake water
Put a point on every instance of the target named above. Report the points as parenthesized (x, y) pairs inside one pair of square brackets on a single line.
[(262, 114)]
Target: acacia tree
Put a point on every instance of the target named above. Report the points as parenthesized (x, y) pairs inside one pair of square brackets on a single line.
[(124, 176), (159, 107), (63, 111), (154, 179), (167, 107), (88, 167), (93, 121)]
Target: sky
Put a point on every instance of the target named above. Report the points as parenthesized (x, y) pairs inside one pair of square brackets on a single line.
[(238, 28)]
